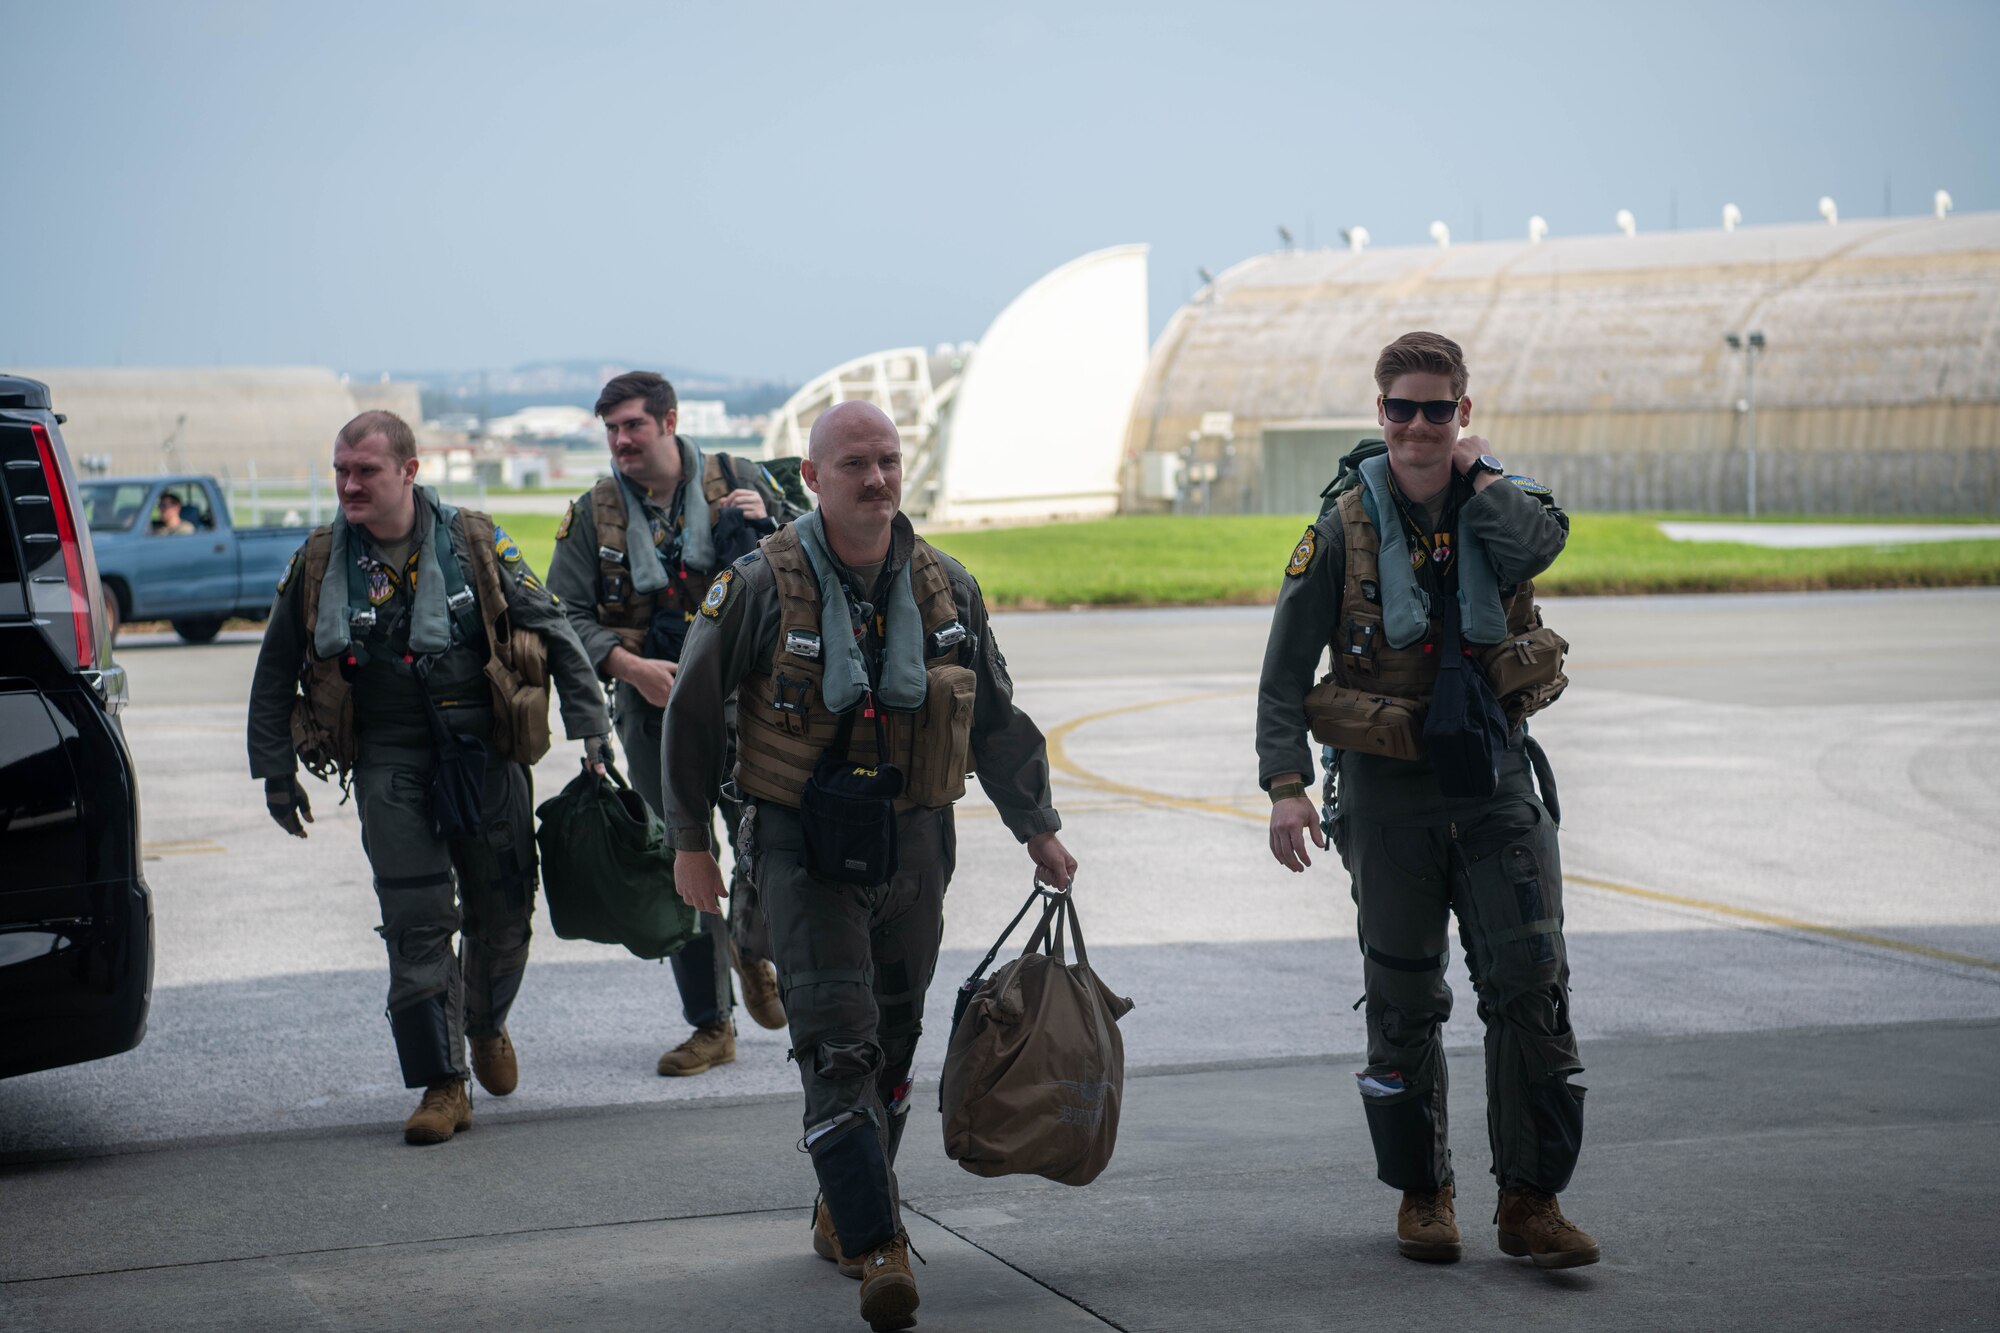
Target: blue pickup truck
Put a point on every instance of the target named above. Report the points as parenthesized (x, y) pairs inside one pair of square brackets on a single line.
[(166, 550)]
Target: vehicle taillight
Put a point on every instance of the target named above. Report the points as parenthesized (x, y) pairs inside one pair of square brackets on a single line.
[(82, 609)]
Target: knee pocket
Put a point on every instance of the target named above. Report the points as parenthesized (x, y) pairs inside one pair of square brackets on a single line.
[(420, 944), (1515, 892), (1403, 1027), (846, 1059)]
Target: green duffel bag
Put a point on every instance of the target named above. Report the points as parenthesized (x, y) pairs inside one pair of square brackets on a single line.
[(607, 869)]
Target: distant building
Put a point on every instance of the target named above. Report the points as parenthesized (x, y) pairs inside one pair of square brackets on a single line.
[(1599, 366), (704, 416), (544, 423), (387, 395), (232, 421), (1026, 424)]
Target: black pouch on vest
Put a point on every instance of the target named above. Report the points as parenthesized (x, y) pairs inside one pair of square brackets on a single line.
[(1465, 731), (848, 812), (459, 786), (735, 535), (666, 634)]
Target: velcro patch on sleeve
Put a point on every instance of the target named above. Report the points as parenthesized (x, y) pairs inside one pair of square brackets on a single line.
[(569, 517), (291, 568), (718, 594), (1302, 555), (1530, 485)]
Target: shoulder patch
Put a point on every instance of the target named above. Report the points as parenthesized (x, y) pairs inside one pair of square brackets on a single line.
[(1302, 554), (1529, 484), (504, 547), (291, 568), (569, 517), (718, 594), (769, 480)]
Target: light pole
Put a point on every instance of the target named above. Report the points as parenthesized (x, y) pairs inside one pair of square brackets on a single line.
[(1749, 344)]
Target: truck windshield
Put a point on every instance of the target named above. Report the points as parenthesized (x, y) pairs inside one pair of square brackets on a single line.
[(113, 506)]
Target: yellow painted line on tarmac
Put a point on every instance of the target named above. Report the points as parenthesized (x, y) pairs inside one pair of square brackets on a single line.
[(1060, 761), (1787, 922), (184, 847)]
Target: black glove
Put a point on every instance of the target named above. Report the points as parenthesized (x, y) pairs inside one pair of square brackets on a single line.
[(597, 750), (287, 802)]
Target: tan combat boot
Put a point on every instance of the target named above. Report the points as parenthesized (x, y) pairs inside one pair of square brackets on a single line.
[(494, 1064), (1532, 1224), (704, 1049), (888, 1287), (826, 1242), (1427, 1227), (445, 1110), (758, 981)]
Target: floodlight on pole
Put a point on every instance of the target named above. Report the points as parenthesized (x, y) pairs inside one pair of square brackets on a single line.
[(1538, 229), (1626, 222), (1828, 209), (1732, 217), (1941, 204), (1441, 234), (1750, 344)]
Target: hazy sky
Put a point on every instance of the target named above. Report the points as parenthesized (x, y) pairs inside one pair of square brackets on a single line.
[(766, 189)]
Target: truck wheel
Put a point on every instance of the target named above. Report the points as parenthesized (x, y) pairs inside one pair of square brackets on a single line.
[(112, 620), (197, 631)]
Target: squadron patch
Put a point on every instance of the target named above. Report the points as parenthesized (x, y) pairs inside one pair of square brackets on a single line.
[(503, 546), (381, 584), (569, 517), (1530, 485), (718, 594), (285, 579), (1302, 554)]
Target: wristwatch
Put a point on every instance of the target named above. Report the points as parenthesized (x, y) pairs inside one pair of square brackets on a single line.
[(1485, 463)]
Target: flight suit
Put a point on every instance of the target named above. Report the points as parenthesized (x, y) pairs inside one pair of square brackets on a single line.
[(855, 962), (1417, 857), (701, 970), (480, 887)]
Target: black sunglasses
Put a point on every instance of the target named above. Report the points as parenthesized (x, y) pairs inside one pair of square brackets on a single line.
[(1403, 410)]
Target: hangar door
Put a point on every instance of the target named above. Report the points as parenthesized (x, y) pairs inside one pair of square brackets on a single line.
[(1300, 458)]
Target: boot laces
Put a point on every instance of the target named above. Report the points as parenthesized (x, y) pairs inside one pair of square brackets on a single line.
[(1542, 1207), (701, 1036), (899, 1241), (440, 1094)]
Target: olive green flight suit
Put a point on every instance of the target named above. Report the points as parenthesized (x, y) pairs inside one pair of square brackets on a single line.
[(701, 970), (1416, 858), (480, 887), (855, 962)]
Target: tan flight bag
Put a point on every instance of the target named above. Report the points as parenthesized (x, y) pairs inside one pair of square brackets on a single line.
[(1035, 1073)]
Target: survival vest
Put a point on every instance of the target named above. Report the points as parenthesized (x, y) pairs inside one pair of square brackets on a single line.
[(620, 608), (783, 726), (1373, 699), (517, 669)]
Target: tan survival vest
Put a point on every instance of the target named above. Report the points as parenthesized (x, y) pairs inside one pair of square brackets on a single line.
[(1373, 699), (629, 617), (323, 730), (783, 726)]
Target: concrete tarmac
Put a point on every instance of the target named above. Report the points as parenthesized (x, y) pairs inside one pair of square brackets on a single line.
[(1779, 820)]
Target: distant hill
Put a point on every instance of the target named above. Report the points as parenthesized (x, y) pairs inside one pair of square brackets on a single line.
[(492, 393)]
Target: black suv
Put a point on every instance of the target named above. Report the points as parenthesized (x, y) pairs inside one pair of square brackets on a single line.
[(76, 917)]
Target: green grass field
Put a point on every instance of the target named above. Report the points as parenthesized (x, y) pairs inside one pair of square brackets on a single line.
[(1166, 561)]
